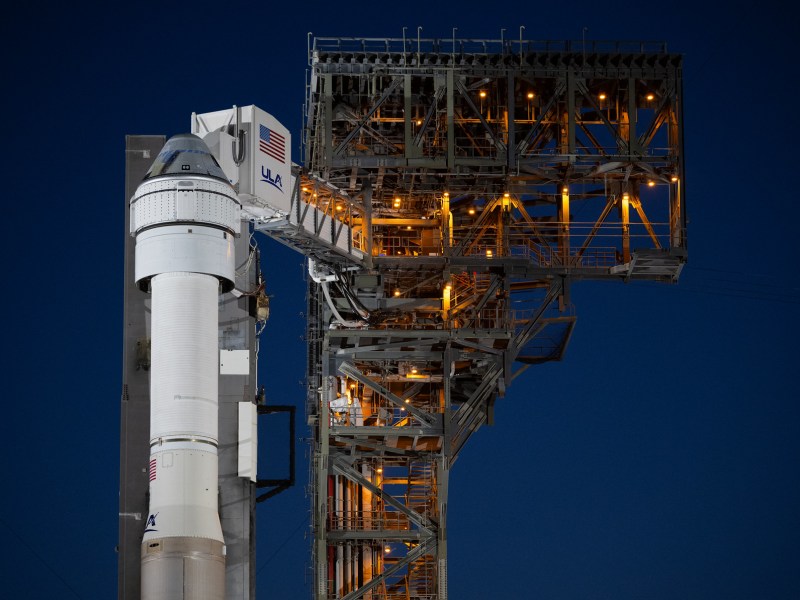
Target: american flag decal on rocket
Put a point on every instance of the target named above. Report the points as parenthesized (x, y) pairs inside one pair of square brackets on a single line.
[(152, 469), (272, 143)]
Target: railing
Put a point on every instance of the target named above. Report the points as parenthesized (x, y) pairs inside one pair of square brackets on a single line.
[(413, 582), (494, 318), (539, 244), (412, 43), (380, 593), (521, 242), (367, 520), (379, 412), (408, 243), (506, 317), (478, 146)]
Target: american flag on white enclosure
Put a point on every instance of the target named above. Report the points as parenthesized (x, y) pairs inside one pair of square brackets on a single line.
[(272, 143)]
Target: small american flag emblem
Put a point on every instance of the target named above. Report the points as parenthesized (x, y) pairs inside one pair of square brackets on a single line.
[(272, 143)]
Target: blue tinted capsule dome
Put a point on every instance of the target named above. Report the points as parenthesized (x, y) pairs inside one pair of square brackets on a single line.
[(185, 154)]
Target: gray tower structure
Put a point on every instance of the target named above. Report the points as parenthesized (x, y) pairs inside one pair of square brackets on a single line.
[(481, 179)]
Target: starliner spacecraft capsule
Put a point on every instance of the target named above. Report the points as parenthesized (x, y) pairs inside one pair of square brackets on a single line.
[(184, 216)]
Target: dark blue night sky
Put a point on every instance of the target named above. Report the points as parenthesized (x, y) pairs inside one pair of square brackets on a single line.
[(659, 460)]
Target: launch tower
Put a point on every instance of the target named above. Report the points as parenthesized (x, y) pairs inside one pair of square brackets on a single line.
[(481, 179)]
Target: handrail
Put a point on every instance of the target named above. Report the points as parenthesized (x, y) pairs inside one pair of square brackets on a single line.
[(481, 46)]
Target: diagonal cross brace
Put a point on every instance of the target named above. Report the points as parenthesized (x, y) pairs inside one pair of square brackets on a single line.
[(522, 146), (420, 520), (499, 145), (423, 548), (530, 329), (351, 371), (477, 229), (468, 418), (387, 92), (419, 343), (661, 113), (584, 91), (353, 442), (429, 115), (480, 393)]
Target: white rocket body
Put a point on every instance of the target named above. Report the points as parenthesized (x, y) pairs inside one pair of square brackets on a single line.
[(184, 216)]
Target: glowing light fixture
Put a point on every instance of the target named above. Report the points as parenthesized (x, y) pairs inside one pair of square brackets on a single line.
[(602, 96), (482, 94), (396, 293), (651, 183), (650, 97), (530, 95), (471, 211), (674, 179), (488, 253)]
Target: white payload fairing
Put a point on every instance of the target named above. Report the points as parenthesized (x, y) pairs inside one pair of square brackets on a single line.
[(184, 216)]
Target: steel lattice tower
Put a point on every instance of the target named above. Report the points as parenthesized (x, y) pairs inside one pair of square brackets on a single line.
[(480, 178)]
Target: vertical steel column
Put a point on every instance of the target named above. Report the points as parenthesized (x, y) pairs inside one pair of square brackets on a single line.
[(626, 227), (633, 144), (681, 183), (366, 225), (571, 115), (451, 127), (322, 472), (327, 143), (410, 148), (511, 128), (443, 464), (563, 218)]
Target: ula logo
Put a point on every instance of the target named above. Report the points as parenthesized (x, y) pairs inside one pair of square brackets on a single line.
[(151, 523), (267, 177)]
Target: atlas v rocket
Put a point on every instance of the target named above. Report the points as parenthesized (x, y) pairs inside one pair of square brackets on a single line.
[(184, 216)]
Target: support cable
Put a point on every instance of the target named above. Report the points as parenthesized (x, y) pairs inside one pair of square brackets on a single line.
[(41, 559), (342, 320), (352, 300)]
